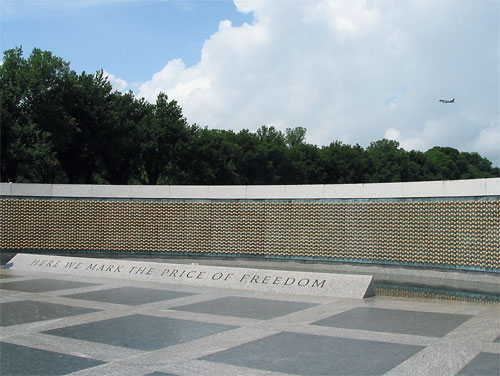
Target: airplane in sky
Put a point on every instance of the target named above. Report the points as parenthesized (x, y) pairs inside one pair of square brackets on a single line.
[(447, 101)]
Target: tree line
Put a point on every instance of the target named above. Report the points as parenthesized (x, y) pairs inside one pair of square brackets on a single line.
[(58, 126)]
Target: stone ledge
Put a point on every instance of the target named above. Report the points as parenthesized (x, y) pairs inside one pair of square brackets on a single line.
[(427, 189), (281, 281)]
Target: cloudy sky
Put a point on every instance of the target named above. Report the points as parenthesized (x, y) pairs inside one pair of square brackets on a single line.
[(349, 70)]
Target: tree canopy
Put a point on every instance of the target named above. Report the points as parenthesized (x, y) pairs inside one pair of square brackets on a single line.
[(58, 126)]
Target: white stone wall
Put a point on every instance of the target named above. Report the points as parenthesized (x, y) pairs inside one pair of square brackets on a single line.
[(451, 188)]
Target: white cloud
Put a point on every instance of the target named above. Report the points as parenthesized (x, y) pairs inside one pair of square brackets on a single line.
[(485, 141), (409, 143), (336, 67), (488, 143), (344, 18), (392, 134), (117, 83)]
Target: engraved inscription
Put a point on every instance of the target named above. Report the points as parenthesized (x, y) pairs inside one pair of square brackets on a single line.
[(181, 273)]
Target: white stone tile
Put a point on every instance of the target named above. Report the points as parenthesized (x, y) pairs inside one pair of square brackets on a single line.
[(111, 191), (492, 186), (72, 190), (423, 189), (472, 187), (456, 188), (227, 191), (383, 190), (42, 190), (5, 189), (149, 191), (266, 192), (310, 191), (189, 191), (344, 191)]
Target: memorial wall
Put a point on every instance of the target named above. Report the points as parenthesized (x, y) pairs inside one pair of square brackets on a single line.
[(453, 224)]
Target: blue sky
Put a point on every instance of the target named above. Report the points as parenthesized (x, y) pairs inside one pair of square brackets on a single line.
[(132, 39), (349, 70)]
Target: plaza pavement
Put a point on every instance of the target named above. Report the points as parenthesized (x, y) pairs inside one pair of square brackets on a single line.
[(61, 324)]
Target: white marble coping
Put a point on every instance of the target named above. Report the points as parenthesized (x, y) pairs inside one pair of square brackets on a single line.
[(427, 189)]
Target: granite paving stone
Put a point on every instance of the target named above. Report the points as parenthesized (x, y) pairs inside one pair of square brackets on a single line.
[(23, 360), (123, 327), (206, 368), (129, 295), (5, 276), (485, 364), (141, 332), (42, 285), (98, 351), (429, 324), (251, 308), (306, 354), (27, 311)]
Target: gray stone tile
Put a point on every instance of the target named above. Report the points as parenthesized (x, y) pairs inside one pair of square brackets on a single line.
[(158, 373), (42, 285), (129, 295), (206, 368), (364, 335), (26, 311), (446, 356), (140, 332), (5, 276), (428, 324), (98, 351), (493, 347), (200, 317), (483, 364), (306, 354), (22, 360), (252, 308)]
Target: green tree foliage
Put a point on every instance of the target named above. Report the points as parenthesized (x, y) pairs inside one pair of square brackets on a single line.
[(27, 91), (58, 126), (387, 161), (162, 136), (344, 164)]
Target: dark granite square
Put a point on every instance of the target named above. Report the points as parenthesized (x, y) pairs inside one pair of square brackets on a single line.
[(26, 311), (307, 354), (261, 309), (483, 364), (497, 340), (43, 285), (129, 295), (22, 360), (140, 332), (395, 321)]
